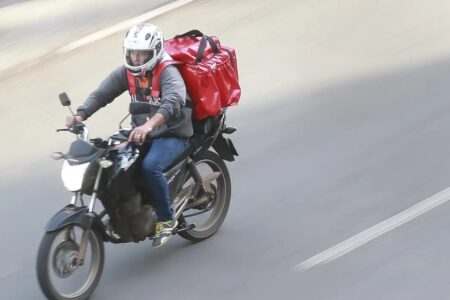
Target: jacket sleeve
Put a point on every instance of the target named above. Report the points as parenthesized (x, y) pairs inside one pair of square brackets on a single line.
[(110, 88), (173, 93)]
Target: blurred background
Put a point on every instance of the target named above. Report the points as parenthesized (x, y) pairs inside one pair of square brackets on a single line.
[(343, 122)]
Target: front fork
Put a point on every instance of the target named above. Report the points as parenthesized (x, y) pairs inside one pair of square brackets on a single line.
[(91, 215), (86, 220)]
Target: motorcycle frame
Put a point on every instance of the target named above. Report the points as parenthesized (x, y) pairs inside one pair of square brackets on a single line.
[(88, 219)]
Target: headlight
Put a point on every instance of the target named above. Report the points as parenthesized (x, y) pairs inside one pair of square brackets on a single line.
[(72, 176)]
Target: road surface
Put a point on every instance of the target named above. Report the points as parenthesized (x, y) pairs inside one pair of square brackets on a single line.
[(344, 122)]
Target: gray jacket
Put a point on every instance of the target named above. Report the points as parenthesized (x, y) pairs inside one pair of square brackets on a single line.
[(172, 104)]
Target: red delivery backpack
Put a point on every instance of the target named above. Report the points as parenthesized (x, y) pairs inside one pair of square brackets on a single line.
[(209, 71)]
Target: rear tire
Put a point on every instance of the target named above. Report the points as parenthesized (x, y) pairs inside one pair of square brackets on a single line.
[(54, 263), (219, 202)]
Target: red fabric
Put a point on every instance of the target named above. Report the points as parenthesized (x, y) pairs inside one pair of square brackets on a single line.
[(131, 83), (157, 72), (232, 54), (212, 83), (185, 48)]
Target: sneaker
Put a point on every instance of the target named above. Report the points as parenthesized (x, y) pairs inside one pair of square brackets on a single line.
[(163, 232)]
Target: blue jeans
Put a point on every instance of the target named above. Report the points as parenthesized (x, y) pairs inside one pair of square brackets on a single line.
[(162, 153)]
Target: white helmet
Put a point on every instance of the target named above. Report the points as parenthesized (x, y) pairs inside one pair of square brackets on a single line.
[(144, 37)]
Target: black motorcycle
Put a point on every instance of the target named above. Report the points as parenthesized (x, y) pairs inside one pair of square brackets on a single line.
[(71, 254)]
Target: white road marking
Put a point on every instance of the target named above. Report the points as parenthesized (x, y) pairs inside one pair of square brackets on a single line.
[(375, 231), (122, 26)]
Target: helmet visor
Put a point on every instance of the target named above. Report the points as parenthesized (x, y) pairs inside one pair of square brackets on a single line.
[(138, 58)]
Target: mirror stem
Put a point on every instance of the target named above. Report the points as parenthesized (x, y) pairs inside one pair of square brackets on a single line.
[(71, 111)]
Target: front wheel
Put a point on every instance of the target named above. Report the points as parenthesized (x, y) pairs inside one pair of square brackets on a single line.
[(210, 214), (59, 274)]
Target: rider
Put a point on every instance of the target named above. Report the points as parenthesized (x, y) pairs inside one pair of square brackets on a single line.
[(169, 125)]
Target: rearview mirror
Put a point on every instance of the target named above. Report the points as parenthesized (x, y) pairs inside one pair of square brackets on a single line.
[(139, 108), (65, 101)]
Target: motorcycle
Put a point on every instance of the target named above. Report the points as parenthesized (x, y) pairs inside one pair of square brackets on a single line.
[(71, 253)]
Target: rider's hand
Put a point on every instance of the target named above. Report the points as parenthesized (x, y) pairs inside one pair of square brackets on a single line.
[(70, 120), (139, 134)]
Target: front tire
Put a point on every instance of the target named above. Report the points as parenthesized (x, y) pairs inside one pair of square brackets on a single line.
[(56, 264), (218, 204)]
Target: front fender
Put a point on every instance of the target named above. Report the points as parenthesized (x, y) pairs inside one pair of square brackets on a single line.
[(70, 214)]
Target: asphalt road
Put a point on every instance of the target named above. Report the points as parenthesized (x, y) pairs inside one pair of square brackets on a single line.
[(31, 31), (343, 123)]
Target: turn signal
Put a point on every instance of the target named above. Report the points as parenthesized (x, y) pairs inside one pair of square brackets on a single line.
[(105, 163)]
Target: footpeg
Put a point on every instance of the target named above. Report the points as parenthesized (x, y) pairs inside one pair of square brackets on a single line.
[(183, 229)]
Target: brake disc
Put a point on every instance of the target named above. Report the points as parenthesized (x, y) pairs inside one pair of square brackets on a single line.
[(65, 258)]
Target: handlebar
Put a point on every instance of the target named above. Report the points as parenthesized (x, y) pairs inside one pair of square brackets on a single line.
[(78, 129), (122, 135)]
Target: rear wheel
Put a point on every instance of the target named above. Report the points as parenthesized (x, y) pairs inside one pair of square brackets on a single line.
[(213, 205), (59, 275)]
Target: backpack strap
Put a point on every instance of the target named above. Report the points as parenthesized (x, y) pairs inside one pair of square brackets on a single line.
[(131, 83), (203, 42), (157, 72), (191, 33)]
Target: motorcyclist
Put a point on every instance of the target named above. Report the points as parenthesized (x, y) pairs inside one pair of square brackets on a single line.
[(168, 126)]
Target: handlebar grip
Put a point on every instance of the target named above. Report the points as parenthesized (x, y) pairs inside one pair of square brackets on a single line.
[(119, 137), (76, 128)]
